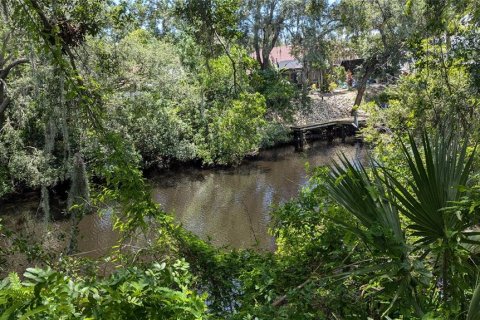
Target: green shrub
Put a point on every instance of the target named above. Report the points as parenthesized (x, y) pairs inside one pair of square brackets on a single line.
[(278, 91), (234, 129), (157, 101), (273, 134), (157, 292)]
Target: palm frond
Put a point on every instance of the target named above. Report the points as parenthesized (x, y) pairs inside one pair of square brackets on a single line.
[(365, 197), (435, 180), (474, 308)]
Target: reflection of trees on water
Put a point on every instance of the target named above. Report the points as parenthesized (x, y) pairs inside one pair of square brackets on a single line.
[(232, 206), (223, 207)]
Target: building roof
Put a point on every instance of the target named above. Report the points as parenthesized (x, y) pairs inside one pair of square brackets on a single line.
[(290, 64), (281, 53), (282, 57)]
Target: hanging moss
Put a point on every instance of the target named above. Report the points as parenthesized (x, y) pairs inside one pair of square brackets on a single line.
[(50, 134), (79, 195), (45, 203)]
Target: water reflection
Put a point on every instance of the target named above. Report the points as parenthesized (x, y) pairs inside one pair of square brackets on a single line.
[(230, 207)]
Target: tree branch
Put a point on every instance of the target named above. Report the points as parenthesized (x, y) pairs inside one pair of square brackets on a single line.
[(227, 52), (4, 72), (46, 23), (3, 105)]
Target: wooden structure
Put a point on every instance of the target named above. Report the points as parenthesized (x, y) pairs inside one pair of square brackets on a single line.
[(351, 65), (328, 130)]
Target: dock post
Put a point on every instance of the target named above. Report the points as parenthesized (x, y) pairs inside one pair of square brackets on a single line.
[(343, 133), (299, 140), (330, 134)]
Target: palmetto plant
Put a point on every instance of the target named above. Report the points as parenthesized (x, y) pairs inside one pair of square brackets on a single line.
[(364, 195), (436, 180), (474, 308), (437, 170), (361, 191)]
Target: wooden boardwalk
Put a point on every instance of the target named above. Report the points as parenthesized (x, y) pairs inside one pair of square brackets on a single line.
[(329, 129)]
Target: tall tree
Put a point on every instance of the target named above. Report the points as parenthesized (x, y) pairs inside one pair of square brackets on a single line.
[(65, 103), (155, 16), (380, 30), (264, 21), (311, 30), (213, 25)]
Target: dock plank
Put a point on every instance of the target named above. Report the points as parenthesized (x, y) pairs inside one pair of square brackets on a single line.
[(326, 124)]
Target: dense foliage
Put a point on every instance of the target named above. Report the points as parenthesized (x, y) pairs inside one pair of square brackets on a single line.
[(150, 293), (93, 92)]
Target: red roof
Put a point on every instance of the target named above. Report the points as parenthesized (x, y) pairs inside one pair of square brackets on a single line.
[(279, 54)]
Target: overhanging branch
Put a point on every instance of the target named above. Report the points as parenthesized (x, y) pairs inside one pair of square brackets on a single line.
[(4, 72)]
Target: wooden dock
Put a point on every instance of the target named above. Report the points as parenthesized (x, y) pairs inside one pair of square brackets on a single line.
[(330, 129)]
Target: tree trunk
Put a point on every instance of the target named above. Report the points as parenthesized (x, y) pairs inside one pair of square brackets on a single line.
[(320, 80), (362, 85), (45, 204), (265, 57), (256, 37), (265, 41)]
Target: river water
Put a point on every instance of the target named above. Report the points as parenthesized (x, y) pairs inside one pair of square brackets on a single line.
[(229, 207)]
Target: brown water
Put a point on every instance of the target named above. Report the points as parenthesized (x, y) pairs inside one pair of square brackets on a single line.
[(230, 207)]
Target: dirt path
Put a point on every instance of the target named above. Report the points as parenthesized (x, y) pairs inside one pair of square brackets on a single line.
[(334, 105)]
